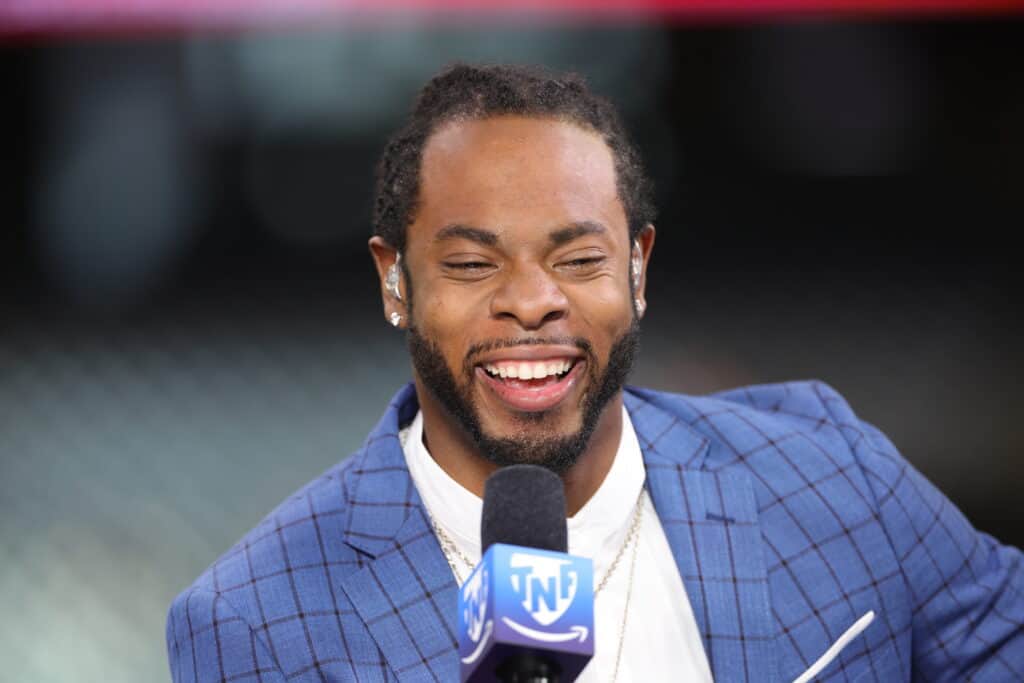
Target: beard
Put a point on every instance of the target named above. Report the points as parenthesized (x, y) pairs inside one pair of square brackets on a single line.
[(557, 453)]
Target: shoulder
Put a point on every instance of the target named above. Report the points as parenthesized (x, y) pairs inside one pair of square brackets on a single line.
[(299, 545), (284, 581), (280, 576), (749, 421), (793, 440), (309, 542)]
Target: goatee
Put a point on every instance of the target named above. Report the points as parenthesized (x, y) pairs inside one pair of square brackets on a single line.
[(555, 452)]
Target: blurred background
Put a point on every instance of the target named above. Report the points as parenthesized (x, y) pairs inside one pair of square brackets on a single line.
[(190, 325)]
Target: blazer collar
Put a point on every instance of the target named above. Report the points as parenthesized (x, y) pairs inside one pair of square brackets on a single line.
[(377, 483), (666, 438), (381, 492)]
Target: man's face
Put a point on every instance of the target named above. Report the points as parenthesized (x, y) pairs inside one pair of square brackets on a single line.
[(522, 319)]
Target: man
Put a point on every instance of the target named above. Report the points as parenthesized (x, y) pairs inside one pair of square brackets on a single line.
[(764, 534)]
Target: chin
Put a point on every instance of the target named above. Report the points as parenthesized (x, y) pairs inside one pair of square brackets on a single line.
[(543, 438), (502, 421), (527, 426)]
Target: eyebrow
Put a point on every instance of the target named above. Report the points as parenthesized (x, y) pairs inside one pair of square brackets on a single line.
[(466, 232), (575, 230), (557, 237)]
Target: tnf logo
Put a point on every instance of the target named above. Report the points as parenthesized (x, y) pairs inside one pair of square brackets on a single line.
[(546, 586)]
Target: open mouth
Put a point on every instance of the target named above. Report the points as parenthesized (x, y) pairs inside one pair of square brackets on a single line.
[(531, 385), (530, 374)]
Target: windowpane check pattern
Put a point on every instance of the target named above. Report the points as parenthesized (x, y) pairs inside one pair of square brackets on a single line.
[(788, 518)]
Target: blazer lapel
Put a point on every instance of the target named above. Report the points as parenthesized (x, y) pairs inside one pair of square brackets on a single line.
[(405, 593), (711, 523)]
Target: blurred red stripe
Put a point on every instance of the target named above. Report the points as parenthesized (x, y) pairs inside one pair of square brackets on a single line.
[(40, 17)]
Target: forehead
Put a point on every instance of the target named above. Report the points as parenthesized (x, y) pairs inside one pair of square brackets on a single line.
[(516, 174)]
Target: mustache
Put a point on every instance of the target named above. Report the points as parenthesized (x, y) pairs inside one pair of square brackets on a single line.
[(492, 344)]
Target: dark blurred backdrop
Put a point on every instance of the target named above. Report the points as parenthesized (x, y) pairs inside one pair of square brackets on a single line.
[(190, 326)]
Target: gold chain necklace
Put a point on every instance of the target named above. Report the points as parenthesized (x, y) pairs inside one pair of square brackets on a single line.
[(451, 551), (629, 594)]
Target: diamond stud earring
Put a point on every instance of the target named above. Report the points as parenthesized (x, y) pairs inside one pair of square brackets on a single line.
[(391, 281), (395, 318)]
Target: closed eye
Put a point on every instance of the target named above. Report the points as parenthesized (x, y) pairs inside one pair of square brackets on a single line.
[(468, 265), (583, 263), (468, 271)]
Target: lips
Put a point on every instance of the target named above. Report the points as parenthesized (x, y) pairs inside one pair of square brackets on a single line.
[(530, 382)]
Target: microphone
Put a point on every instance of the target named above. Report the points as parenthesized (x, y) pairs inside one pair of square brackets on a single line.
[(526, 613)]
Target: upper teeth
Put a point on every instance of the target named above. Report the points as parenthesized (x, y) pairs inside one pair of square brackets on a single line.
[(528, 369)]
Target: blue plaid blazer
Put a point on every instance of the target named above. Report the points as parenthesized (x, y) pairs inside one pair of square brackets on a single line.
[(787, 516)]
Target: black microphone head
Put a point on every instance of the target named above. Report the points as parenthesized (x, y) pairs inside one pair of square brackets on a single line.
[(524, 505)]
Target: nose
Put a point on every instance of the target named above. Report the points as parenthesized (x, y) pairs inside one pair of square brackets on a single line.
[(529, 296)]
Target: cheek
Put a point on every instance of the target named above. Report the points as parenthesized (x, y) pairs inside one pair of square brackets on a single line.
[(604, 310), (448, 315), (447, 321)]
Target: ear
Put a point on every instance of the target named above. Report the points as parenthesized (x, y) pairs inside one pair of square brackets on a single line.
[(385, 257), (645, 242)]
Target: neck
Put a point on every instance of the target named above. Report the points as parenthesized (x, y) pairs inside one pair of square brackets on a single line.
[(454, 451)]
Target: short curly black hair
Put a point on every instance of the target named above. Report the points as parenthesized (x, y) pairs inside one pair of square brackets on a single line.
[(463, 91)]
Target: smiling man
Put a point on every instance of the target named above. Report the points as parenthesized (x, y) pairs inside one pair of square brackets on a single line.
[(764, 534), (522, 324)]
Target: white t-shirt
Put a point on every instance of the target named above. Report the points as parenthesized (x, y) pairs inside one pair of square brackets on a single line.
[(662, 641)]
